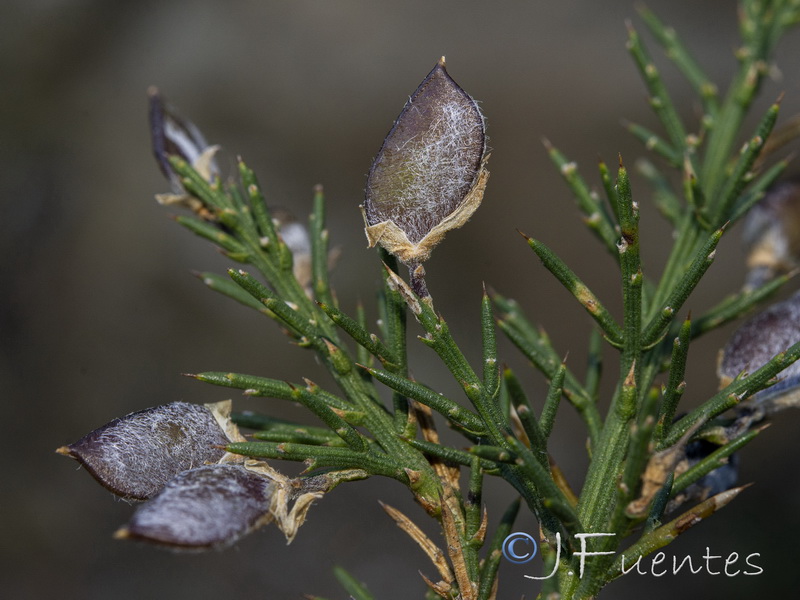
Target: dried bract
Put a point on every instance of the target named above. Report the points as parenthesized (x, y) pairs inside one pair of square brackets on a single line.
[(136, 455), (429, 176), (207, 507)]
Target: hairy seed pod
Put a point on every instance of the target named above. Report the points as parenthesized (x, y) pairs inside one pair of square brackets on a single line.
[(136, 455), (759, 339), (207, 507), (429, 176), (173, 135), (717, 481), (771, 234)]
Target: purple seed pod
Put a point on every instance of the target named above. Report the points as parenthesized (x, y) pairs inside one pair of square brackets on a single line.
[(771, 234), (759, 339), (136, 455), (717, 481), (174, 136), (429, 176), (206, 507)]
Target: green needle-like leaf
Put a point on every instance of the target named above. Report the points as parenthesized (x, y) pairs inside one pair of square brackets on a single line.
[(285, 313), (637, 457), (550, 408), (493, 453), (492, 562), (757, 190), (262, 386), (685, 286), (659, 97), (319, 250), (676, 384), (315, 402), (444, 406), (225, 286), (525, 413), (713, 461), (278, 430), (632, 278), (737, 305), (491, 370), (356, 589), (659, 506), (577, 288), (536, 347), (258, 205), (655, 143), (609, 187), (198, 186), (453, 455), (663, 195), (676, 51), (361, 336), (741, 174), (596, 218), (318, 457), (213, 233)]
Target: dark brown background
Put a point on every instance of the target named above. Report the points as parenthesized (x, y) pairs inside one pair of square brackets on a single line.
[(100, 314)]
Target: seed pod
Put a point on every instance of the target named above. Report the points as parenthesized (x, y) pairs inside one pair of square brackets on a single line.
[(206, 507), (430, 175), (759, 339), (717, 481), (136, 455), (771, 234), (173, 135)]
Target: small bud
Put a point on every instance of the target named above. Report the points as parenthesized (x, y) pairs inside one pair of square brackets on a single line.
[(136, 455), (206, 507), (771, 234), (429, 175), (174, 136), (295, 235), (759, 339)]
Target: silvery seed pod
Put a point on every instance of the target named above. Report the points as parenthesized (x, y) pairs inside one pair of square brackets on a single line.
[(173, 135), (430, 174), (758, 340), (206, 507), (136, 455), (717, 481), (771, 234)]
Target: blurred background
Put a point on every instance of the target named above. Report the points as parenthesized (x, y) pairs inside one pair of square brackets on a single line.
[(100, 313)]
